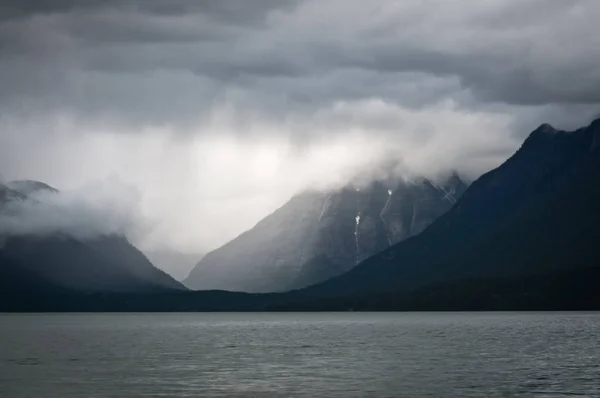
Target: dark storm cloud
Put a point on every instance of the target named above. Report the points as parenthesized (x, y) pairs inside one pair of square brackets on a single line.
[(226, 10), (124, 58)]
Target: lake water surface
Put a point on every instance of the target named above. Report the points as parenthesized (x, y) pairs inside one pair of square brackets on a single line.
[(300, 355)]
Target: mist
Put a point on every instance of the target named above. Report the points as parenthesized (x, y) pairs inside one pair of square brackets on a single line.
[(193, 192), (94, 210), (211, 117)]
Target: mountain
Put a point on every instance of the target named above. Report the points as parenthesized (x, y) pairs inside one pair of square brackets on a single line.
[(522, 237), (106, 263), (29, 187), (537, 213), (319, 235)]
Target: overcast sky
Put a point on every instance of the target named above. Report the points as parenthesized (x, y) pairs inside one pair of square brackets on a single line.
[(213, 113)]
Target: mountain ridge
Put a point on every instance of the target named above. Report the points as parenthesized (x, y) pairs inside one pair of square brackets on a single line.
[(495, 202), (319, 234), (522, 237)]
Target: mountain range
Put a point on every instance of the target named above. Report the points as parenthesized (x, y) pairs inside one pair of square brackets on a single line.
[(522, 236), (538, 212)]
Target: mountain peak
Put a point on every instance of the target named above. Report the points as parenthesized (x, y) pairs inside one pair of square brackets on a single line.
[(499, 227), (545, 128), (544, 134), (27, 187)]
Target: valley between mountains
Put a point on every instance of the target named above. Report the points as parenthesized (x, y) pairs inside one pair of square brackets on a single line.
[(522, 236)]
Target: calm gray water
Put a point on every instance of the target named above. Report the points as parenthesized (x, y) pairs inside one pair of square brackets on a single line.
[(300, 355)]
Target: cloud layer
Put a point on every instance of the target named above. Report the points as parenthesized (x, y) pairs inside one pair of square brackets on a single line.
[(217, 112), (126, 58), (96, 209)]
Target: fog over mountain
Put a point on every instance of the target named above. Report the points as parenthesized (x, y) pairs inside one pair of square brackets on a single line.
[(184, 124), (54, 241), (95, 210)]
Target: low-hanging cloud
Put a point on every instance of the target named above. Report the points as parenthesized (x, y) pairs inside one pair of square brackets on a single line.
[(217, 112), (204, 190), (95, 210)]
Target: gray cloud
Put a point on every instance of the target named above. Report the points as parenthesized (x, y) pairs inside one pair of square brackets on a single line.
[(218, 111), (101, 56), (235, 11), (96, 209)]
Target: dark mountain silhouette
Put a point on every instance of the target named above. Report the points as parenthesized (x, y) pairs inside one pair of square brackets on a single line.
[(318, 235), (538, 212), (59, 261)]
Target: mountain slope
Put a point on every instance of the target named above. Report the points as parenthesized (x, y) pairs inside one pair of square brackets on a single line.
[(318, 235), (104, 263), (537, 212)]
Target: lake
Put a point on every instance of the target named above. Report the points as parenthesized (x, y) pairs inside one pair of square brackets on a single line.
[(300, 355)]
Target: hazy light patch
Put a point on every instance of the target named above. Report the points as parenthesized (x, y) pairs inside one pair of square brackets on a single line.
[(202, 187)]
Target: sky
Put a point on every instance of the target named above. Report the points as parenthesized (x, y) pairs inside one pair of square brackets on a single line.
[(192, 120)]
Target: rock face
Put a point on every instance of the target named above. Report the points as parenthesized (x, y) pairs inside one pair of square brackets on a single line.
[(537, 213), (318, 235), (107, 263)]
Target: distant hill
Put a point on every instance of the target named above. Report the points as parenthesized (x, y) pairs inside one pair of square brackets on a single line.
[(107, 263), (319, 235)]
